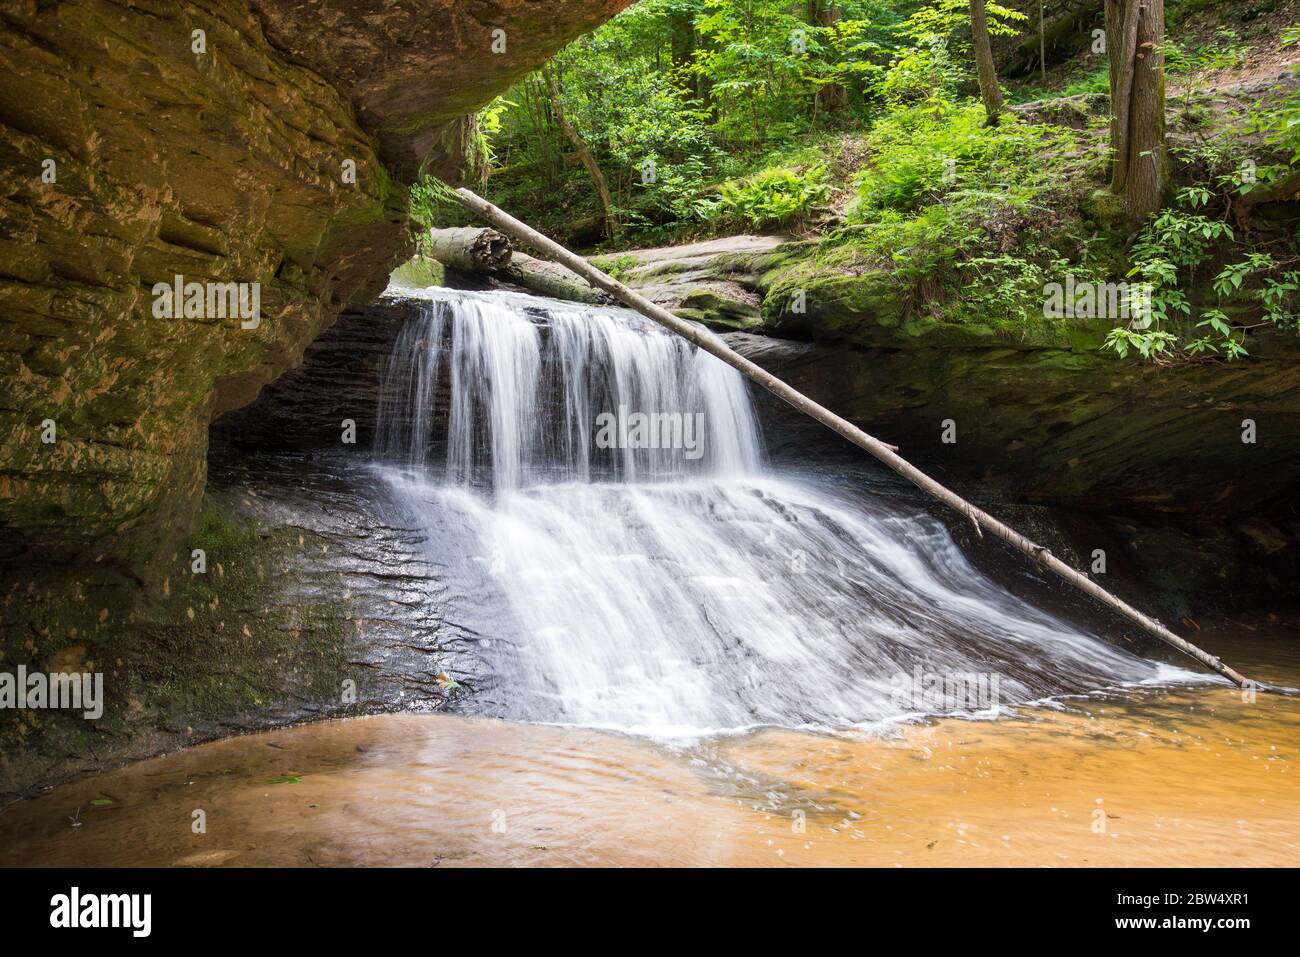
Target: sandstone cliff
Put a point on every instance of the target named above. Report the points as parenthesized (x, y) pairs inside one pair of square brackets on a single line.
[(212, 139)]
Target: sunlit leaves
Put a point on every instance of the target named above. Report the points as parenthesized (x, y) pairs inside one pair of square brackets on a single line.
[(777, 196)]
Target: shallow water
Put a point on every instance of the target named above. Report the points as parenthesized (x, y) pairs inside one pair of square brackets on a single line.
[(1189, 775)]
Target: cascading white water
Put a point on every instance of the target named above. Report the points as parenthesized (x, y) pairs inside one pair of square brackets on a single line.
[(652, 591)]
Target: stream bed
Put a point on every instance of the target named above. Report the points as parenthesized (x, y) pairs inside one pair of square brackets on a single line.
[(1189, 775)]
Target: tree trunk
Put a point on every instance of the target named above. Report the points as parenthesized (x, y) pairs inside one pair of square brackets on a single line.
[(584, 153), (475, 251), (552, 280), (1135, 31), (831, 97), (988, 76), (1042, 42), (682, 29), (469, 249), (1062, 32)]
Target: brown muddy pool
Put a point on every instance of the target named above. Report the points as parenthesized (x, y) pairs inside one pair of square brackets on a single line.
[(1191, 775)]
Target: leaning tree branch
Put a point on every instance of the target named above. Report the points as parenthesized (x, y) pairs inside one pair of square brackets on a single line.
[(713, 345)]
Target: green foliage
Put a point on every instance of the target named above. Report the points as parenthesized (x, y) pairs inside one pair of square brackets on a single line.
[(1226, 52), (1259, 279), (1098, 81), (1148, 343), (675, 97), (926, 70), (943, 150), (756, 59), (1167, 254), (1010, 286), (943, 18), (1278, 120), (778, 196), (485, 129), (432, 205), (940, 186), (713, 115), (1166, 251), (937, 61)]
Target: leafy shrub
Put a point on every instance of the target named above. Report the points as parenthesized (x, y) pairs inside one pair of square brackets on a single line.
[(937, 148), (922, 72), (1278, 119), (432, 208), (777, 196), (1227, 53), (1167, 253), (1098, 81), (959, 210)]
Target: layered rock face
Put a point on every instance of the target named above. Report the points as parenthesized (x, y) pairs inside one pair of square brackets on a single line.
[(243, 142)]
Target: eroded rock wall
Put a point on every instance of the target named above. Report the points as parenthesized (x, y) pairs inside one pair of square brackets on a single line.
[(208, 139)]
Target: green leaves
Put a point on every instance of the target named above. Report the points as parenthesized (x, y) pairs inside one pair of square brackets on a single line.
[(922, 152), (1278, 119), (1180, 238), (1149, 345), (1217, 320), (943, 18), (1166, 254), (432, 204), (1226, 52), (1229, 280), (777, 196)]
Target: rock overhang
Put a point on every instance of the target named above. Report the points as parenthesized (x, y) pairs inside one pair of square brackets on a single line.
[(205, 139)]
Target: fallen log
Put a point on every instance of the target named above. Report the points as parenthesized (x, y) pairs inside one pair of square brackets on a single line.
[(476, 251), (470, 249), (711, 344), (550, 279)]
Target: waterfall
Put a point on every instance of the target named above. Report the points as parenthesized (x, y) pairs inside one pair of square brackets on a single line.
[(526, 385), (687, 589)]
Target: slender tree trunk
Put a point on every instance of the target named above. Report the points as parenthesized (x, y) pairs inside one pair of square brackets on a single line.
[(682, 29), (831, 97), (1042, 41), (583, 151), (988, 76), (1135, 33)]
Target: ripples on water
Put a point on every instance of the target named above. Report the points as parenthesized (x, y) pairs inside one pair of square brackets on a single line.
[(1184, 776)]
